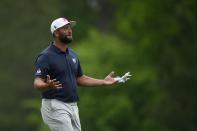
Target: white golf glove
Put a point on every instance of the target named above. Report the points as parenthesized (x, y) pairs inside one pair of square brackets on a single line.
[(124, 78)]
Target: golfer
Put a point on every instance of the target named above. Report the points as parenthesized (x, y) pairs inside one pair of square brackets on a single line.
[(58, 72)]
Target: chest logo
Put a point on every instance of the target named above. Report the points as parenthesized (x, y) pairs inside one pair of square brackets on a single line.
[(74, 60)]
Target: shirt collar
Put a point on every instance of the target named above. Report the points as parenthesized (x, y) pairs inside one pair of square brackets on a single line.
[(54, 48)]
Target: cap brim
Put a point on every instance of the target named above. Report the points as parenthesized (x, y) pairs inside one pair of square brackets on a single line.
[(72, 23)]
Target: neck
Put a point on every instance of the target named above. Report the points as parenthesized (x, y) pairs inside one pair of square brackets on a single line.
[(60, 45)]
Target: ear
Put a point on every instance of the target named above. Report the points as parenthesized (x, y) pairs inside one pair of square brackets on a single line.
[(55, 34)]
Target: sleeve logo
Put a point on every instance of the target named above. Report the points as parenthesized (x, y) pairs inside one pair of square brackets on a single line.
[(38, 71)]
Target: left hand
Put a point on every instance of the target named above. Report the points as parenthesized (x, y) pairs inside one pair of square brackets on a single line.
[(109, 80)]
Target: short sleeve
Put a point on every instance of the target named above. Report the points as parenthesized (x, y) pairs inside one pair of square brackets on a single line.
[(79, 70), (42, 66)]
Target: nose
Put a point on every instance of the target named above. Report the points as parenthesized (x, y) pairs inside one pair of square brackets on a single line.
[(69, 29)]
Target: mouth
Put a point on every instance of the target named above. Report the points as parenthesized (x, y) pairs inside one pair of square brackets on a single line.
[(69, 36)]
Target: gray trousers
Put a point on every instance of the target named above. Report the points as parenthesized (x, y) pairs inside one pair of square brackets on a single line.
[(60, 116)]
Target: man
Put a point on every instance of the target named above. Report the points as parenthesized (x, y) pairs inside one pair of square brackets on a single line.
[(58, 72)]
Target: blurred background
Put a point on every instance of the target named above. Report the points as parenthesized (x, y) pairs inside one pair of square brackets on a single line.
[(153, 39)]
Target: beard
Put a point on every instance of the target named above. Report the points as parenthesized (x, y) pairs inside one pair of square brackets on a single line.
[(65, 39)]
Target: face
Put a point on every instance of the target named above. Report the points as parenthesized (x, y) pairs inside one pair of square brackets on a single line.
[(65, 34)]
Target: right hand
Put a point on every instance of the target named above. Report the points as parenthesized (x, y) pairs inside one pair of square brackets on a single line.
[(53, 83)]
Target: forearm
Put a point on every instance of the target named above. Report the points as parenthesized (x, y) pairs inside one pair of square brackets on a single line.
[(40, 84), (89, 81)]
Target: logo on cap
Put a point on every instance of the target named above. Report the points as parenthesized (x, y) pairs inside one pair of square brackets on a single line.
[(64, 19)]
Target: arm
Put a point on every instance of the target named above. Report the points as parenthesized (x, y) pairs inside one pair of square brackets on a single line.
[(89, 81), (42, 84)]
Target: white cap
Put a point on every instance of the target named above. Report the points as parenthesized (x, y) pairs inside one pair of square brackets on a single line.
[(60, 22)]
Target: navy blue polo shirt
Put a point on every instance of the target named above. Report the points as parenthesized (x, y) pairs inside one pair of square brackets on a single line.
[(63, 66)]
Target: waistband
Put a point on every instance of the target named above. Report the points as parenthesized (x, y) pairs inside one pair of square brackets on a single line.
[(69, 103), (72, 104)]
